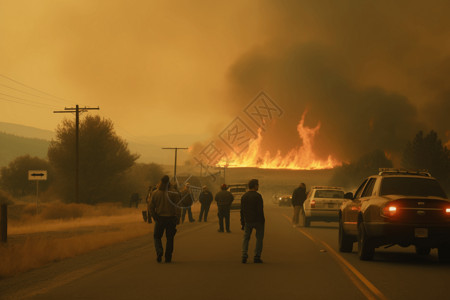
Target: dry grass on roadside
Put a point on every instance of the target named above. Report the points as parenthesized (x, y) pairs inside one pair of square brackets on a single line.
[(36, 241)]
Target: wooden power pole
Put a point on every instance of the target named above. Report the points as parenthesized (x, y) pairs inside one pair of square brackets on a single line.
[(77, 110), (175, 164)]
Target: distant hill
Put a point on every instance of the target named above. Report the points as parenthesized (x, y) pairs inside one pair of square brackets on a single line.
[(20, 139), (12, 146), (26, 131)]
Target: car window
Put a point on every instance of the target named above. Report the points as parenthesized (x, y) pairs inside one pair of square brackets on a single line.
[(329, 194), (237, 190), (360, 189), (411, 186), (369, 188)]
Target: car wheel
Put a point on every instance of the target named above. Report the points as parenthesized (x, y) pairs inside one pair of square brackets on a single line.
[(305, 220), (365, 248), (423, 250), (444, 253), (345, 241)]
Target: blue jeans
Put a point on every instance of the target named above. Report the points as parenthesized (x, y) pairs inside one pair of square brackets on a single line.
[(259, 229)]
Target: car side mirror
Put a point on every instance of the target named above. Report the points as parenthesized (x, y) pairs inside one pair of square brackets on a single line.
[(348, 195)]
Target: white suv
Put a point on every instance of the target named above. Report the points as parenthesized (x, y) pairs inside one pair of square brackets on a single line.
[(322, 204)]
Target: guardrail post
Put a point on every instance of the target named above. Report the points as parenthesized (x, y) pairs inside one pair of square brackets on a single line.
[(4, 222)]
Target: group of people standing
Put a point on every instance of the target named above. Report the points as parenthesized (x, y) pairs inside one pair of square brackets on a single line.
[(168, 208)]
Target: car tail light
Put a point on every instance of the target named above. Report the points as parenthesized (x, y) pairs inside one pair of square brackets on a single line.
[(313, 203), (447, 211), (390, 210)]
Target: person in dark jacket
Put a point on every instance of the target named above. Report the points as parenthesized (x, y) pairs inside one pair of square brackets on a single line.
[(205, 199), (298, 197), (186, 203), (252, 217), (224, 199), (165, 212)]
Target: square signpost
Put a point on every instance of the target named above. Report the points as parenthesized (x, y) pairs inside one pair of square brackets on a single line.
[(37, 175)]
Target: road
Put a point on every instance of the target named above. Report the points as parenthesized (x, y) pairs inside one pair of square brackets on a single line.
[(299, 263)]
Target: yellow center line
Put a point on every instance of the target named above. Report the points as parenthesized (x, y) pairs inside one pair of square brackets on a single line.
[(362, 283)]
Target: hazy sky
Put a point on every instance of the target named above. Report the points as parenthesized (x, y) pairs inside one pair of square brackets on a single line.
[(372, 73), (153, 67)]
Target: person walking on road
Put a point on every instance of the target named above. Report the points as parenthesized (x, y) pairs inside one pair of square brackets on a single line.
[(205, 199), (164, 210), (186, 203), (224, 199), (298, 197), (252, 217)]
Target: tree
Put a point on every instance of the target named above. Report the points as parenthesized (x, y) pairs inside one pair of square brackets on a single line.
[(428, 152), (350, 175), (104, 159), (14, 177), (140, 176)]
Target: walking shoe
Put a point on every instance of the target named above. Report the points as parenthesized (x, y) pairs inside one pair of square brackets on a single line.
[(228, 231), (168, 260), (220, 230), (159, 258), (244, 260), (257, 261)]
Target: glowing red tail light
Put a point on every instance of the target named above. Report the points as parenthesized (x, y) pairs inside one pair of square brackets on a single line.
[(313, 203), (390, 210)]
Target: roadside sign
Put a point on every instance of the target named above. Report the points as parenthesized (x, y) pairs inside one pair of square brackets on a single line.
[(37, 175)]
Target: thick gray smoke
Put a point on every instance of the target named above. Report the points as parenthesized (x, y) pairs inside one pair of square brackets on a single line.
[(372, 73)]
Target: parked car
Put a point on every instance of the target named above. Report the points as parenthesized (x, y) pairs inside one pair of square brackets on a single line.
[(322, 204), (285, 200), (396, 207), (237, 190)]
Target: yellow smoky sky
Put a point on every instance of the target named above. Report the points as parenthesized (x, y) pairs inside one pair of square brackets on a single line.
[(154, 67)]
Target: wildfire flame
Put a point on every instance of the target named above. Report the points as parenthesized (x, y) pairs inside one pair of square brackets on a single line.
[(301, 158)]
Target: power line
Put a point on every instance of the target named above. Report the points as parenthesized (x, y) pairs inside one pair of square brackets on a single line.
[(61, 100), (30, 94), (32, 102)]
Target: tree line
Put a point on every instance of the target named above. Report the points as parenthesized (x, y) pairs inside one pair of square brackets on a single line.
[(424, 152), (108, 171)]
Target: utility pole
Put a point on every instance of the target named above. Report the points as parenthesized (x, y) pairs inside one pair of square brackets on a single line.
[(77, 110), (175, 164), (224, 172)]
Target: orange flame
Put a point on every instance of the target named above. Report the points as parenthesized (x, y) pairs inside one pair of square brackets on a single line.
[(301, 158)]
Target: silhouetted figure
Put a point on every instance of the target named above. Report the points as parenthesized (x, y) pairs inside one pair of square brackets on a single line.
[(135, 199), (205, 199), (252, 217), (298, 197), (186, 203), (165, 212), (224, 199)]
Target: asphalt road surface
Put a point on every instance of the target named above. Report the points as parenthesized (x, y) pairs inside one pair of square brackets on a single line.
[(299, 263)]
